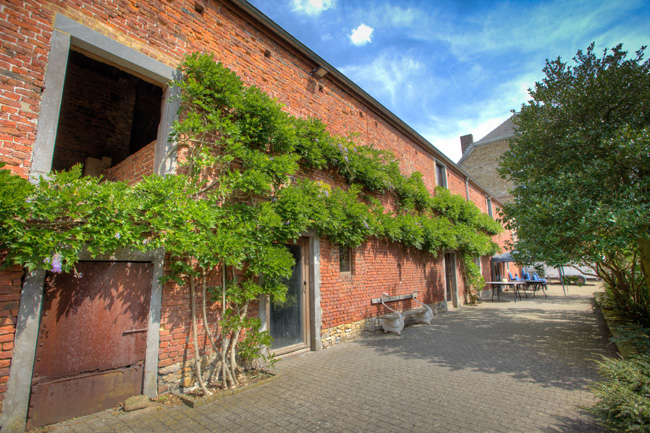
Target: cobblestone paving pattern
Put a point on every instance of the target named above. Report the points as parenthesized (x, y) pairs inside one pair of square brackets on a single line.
[(498, 367)]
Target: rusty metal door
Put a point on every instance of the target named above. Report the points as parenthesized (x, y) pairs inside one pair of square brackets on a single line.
[(92, 340)]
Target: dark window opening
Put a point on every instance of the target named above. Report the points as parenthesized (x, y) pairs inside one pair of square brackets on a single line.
[(106, 115), (441, 175), (345, 260)]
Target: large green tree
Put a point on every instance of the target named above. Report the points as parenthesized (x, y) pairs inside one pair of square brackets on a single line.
[(580, 164)]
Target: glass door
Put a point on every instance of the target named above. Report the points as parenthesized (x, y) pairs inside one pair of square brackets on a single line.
[(450, 280), (287, 319)]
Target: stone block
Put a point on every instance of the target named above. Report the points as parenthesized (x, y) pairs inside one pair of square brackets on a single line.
[(136, 402)]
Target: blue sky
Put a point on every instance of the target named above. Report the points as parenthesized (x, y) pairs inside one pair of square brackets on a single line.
[(450, 68)]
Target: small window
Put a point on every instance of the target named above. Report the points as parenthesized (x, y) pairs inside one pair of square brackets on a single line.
[(441, 175), (477, 261), (488, 205), (345, 260)]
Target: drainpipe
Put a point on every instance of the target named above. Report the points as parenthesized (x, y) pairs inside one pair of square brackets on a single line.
[(467, 187)]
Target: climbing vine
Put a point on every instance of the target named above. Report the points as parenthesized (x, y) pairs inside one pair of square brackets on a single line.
[(245, 185)]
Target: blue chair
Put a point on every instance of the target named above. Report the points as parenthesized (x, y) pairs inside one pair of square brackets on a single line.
[(537, 278), (540, 284), (515, 288)]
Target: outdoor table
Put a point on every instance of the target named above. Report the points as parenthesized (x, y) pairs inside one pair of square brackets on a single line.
[(496, 285), (535, 285)]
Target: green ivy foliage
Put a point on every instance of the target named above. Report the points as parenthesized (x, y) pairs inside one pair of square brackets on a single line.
[(238, 188)]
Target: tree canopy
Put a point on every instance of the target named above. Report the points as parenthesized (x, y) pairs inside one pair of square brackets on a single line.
[(580, 164)]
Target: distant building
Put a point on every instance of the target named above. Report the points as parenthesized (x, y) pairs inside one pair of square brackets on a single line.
[(481, 159)]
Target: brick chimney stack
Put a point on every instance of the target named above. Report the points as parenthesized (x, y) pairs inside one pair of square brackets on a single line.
[(466, 141)]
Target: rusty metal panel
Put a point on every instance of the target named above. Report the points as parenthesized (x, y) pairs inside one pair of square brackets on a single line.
[(55, 401), (92, 340), (96, 322)]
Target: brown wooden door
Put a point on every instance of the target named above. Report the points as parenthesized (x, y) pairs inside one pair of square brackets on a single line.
[(92, 340)]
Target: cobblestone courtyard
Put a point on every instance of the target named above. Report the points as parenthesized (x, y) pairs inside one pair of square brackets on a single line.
[(498, 367)]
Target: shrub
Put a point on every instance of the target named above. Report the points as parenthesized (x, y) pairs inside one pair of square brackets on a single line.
[(624, 395)]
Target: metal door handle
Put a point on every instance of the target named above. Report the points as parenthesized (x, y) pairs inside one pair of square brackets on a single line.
[(133, 331)]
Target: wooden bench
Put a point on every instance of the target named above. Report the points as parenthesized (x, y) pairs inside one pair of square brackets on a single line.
[(394, 322)]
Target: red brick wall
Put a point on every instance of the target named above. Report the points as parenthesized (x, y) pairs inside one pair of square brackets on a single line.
[(377, 267), (506, 236), (25, 34), (166, 31), (10, 285), (133, 168)]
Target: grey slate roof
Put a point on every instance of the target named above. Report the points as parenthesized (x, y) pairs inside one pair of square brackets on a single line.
[(501, 132), (505, 130)]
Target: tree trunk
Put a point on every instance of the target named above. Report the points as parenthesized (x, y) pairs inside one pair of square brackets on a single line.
[(235, 340), (215, 364), (227, 379), (644, 247), (197, 357)]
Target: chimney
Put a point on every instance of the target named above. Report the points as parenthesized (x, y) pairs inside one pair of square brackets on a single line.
[(465, 141)]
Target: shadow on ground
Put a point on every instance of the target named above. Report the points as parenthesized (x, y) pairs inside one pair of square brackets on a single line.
[(530, 340)]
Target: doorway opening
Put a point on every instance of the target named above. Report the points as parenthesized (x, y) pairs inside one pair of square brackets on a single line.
[(451, 289), (288, 321), (107, 116)]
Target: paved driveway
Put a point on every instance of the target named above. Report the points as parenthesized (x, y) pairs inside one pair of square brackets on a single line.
[(498, 367)]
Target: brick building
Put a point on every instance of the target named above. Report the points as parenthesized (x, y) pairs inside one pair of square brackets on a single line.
[(88, 82), (480, 159)]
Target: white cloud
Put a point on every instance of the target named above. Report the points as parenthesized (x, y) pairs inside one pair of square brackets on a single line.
[(312, 7), (396, 16), (548, 28), (390, 77), (362, 35)]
